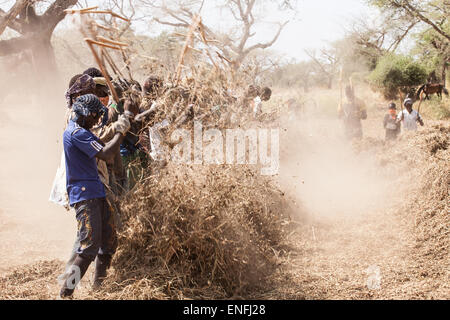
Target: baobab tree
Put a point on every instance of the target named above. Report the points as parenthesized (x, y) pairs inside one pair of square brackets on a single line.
[(34, 30)]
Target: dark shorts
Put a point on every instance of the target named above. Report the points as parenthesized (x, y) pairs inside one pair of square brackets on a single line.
[(96, 228)]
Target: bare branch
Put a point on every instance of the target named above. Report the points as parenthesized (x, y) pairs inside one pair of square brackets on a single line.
[(13, 23), (413, 11), (267, 44), (12, 14)]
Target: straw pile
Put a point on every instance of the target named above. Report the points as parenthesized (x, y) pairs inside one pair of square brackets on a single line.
[(432, 207), (423, 157), (199, 232)]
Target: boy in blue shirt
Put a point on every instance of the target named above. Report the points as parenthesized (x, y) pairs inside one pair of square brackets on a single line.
[(86, 193)]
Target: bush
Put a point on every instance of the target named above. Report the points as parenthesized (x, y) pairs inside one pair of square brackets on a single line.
[(394, 72)]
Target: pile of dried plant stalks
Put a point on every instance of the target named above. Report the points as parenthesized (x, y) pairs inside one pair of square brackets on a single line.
[(199, 232), (432, 207), (423, 157), (207, 96)]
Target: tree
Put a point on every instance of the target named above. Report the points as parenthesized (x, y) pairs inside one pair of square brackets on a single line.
[(434, 50), (327, 64), (433, 13), (396, 72), (434, 37), (374, 39), (34, 30), (294, 74), (233, 45)]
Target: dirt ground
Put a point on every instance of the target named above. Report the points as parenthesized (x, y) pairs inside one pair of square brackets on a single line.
[(31, 228), (360, 239)]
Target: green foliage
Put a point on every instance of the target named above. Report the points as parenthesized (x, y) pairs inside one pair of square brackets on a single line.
[(394, 72), (434, 50)]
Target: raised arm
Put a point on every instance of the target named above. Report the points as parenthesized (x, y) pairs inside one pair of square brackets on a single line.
[(111, 148)]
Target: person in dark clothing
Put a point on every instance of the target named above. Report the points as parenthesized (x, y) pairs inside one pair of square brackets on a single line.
[(390, 123), (96, 229), (352, 112)]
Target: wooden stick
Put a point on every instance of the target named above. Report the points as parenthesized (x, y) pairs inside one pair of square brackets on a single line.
[(401, 102), (73, 11), (112, 64), (420, 102), (127, 63), (101, 44), (202, 33), (195, 22), (107, 12), (102, 68), (222, 57), (179, 34), (194, 49), (120, 44), (102, 27), (212, 60)]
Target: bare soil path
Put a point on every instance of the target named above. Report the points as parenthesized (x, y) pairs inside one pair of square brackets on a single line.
[(359, 239), (31, 228)]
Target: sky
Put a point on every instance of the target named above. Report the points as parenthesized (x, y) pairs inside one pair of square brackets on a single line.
[(320, 22), (317, 23)]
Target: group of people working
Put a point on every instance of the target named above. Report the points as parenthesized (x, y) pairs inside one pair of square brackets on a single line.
[(354, 110), (101, 137)]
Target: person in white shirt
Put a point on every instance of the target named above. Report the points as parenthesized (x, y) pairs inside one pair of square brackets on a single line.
[(409, 117), (264, 95)]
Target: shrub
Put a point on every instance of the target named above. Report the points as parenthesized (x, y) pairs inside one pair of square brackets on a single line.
[(394, 72)]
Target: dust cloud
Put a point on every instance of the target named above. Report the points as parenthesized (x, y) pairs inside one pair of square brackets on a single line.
[(31, 127), (327, 176)]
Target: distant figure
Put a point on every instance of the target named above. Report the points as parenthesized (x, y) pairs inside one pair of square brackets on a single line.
[(409, 117), (352, 112), (264, 95), (390, 123), (294, 109)]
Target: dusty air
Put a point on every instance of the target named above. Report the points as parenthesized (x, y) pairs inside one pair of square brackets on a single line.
[(236, 150)]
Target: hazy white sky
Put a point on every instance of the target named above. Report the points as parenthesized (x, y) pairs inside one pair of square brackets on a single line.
[(321, 21), (318, 22)]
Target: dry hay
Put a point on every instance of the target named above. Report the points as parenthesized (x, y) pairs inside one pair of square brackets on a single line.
[(432, 207), (422, 160), (36, 281), (199, 232)]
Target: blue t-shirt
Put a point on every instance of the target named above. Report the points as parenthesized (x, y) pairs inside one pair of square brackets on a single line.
[(80, 148)]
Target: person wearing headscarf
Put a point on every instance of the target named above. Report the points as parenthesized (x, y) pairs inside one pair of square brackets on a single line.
[(96, 228), (83, 84), (105, 131), (93, 72)]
